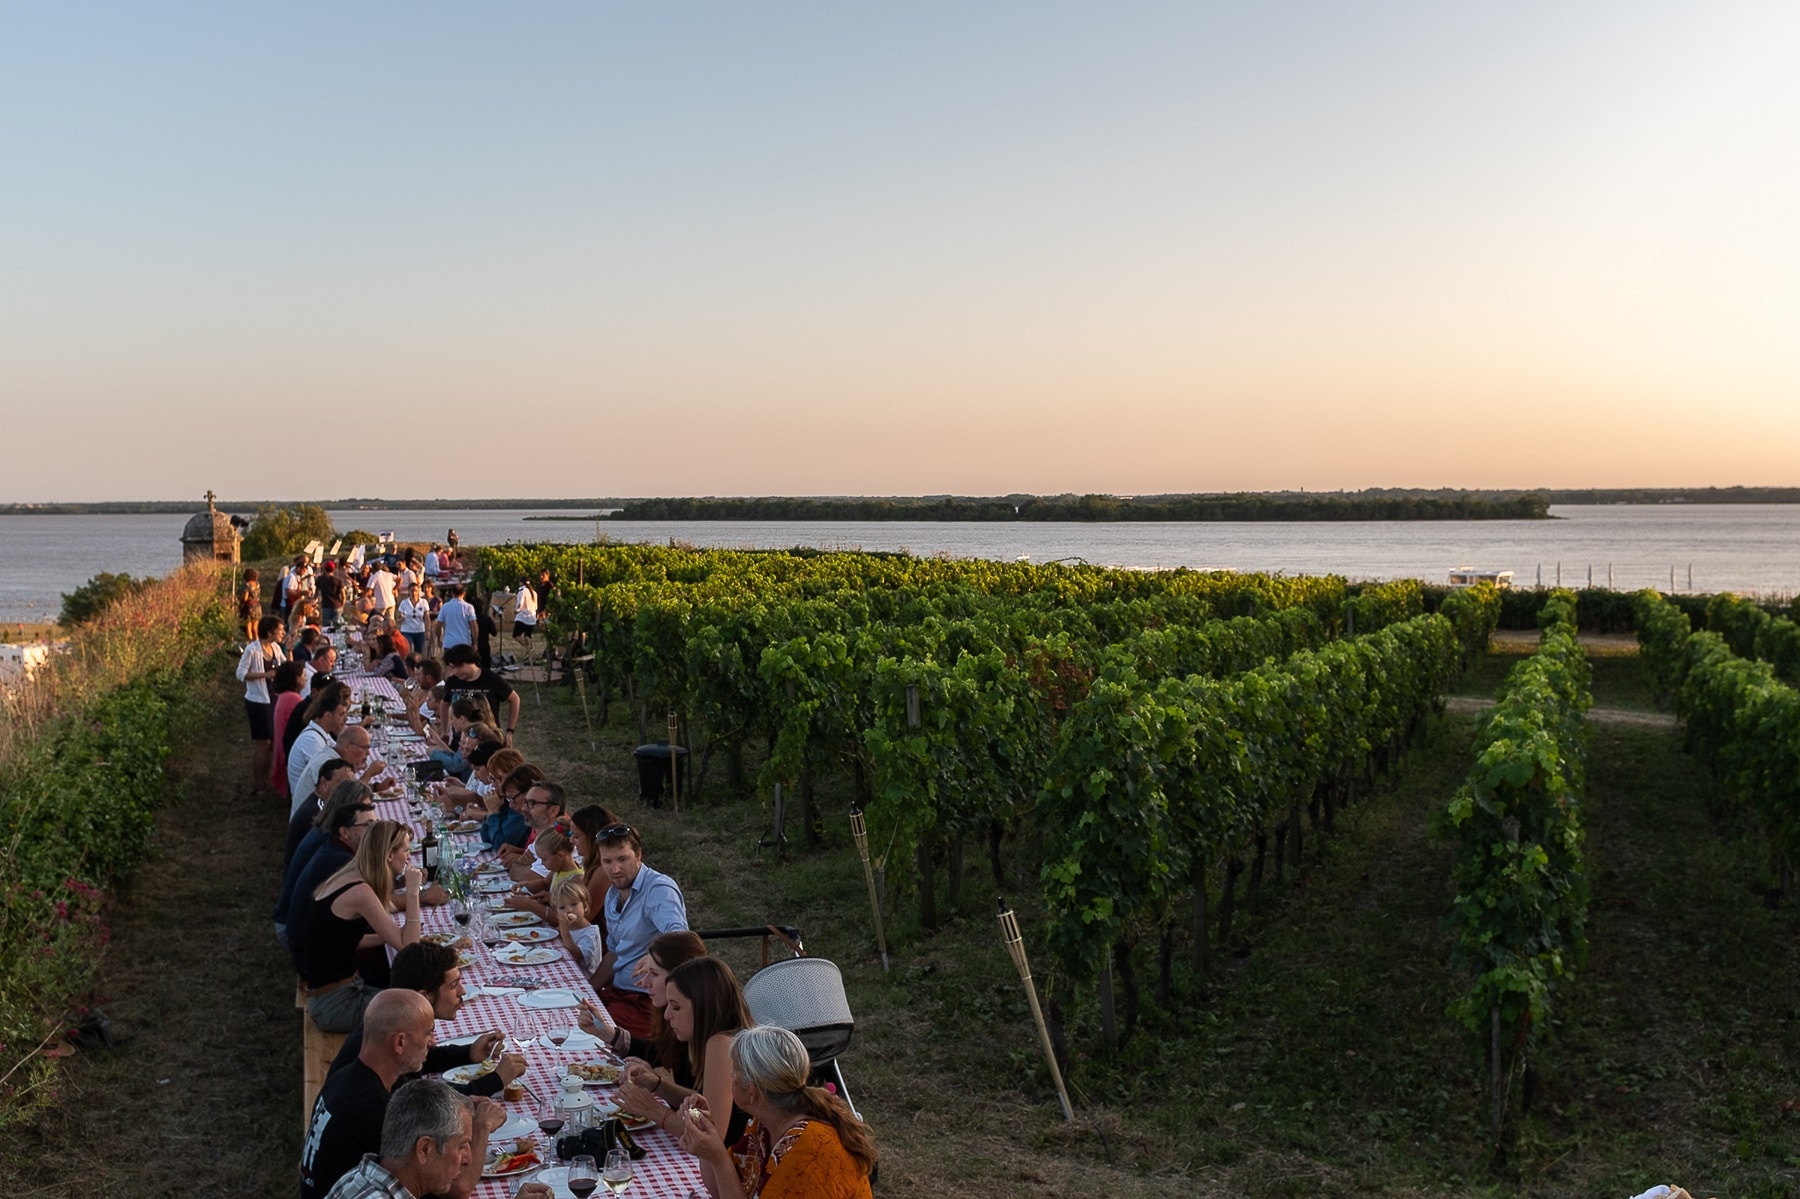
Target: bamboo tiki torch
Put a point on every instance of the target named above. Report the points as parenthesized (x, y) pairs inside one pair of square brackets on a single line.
[(674, 765), (1015, 945), (860, 832)]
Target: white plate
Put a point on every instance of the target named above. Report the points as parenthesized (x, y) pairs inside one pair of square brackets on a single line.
[(490, 867), (578, 1042), (557, 1179), (514, 920), (462, 1076), (536, 1165), (468, 1040), (478, 992), (530, 936), (520, 955), (514, 1128), (550, 997), (493, 886)]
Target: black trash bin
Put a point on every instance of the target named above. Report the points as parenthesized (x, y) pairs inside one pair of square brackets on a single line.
[(654, 766)]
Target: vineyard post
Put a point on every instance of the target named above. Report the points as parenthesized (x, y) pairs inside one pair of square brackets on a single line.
[(1015, 946), (860, 833), (1109, 1023), (674, 765)]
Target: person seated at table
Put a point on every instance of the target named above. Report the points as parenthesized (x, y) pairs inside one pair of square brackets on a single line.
[(348, 813), (433, 1142), (397, 1033), (660, 1050), (802, 1142), (354, 909), (354, 745), (543, 805), (640, 903), (323, 718), (432, 971), (506, 826), (457, 719), (556, 850), (705, 1008), (285, 690), (569, 903), (321, 666), (386, 661), (306, 817), (489, 763), (304, 642)]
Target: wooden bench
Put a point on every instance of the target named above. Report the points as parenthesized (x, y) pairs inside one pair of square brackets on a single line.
[(318, 1050)]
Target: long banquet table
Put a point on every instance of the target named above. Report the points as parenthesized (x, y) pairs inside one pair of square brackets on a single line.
[(665, 1172)]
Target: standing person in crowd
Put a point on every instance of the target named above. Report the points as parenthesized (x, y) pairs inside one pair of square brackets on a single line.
[(327, 928), (325, 714), (415, 617), (454, 541), (434, 565), (485, 631), (256, 666), (381, 591), (330, 587), (525, 614), (455, 620), (464, 677), (285, 688), (410, 574), (802, 1141), (641, 904), (249, 604)]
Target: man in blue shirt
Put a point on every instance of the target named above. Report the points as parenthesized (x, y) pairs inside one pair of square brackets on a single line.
[(642, 904)]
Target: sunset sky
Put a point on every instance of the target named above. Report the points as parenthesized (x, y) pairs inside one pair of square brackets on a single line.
[(597, 249)]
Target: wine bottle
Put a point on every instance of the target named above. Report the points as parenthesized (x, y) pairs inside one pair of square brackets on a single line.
[(429, 850)]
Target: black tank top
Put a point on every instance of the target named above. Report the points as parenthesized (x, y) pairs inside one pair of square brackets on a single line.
[(331, 940)]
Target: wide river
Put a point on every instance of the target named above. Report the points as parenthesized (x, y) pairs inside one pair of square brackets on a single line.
[(1735, 547)]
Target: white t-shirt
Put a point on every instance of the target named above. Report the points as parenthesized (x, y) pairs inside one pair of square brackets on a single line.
[(312, 743), (251, 661), (432, 567), (413, 617), (458, 617), (381, 587), (525, 606), (588, 941)]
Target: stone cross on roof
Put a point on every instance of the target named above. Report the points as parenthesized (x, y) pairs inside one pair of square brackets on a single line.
[(210, 497)]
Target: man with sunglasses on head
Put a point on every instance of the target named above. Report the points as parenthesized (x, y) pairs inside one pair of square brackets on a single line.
[(641, 905)]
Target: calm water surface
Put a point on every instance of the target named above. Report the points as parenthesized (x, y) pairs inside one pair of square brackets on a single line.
[(1738, 547)]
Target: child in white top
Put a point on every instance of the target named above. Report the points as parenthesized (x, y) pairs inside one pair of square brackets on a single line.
[(569, 900)]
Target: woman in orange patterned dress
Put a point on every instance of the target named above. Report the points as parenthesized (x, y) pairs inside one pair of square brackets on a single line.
[(802, 1142)]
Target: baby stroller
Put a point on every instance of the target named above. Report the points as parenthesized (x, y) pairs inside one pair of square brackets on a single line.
[(803, 995), (806, 997)]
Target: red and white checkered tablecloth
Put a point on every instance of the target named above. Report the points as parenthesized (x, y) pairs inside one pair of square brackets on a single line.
[(666, 1172)]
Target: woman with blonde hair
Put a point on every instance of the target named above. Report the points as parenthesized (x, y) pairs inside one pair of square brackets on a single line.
[(352, 910), (802, 1142)]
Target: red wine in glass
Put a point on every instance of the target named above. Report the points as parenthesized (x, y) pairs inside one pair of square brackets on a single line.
[(581, 1188)]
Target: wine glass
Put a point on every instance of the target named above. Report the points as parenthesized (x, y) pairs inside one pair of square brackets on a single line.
[(550, 1119), (459, 911), (617, 1174), (524, 1033), (583, 1177), (556, 1035)]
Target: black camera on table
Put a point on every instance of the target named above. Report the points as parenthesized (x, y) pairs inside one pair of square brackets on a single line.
[(599, 1141)]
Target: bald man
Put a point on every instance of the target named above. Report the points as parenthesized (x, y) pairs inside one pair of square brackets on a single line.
[(398, 1030), (397, 1033)]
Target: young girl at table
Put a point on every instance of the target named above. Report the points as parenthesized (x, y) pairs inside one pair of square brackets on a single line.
[(556, 850), (705, 1007), (568, 899)]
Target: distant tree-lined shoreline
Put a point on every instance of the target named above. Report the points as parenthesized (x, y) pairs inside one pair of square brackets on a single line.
[(1374, 503)]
